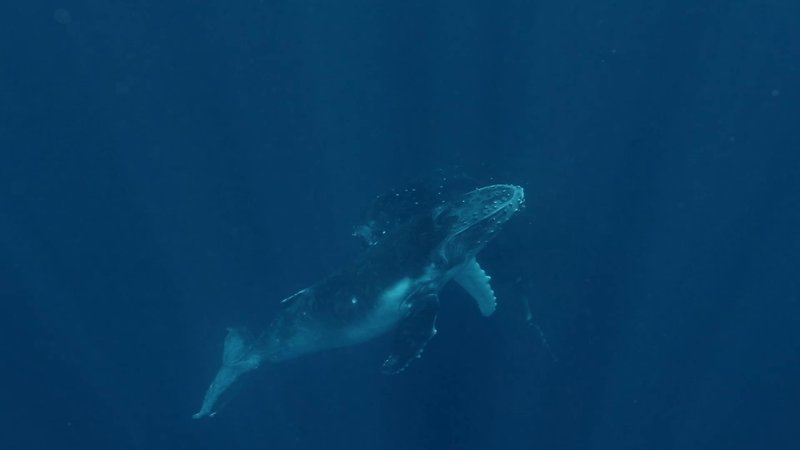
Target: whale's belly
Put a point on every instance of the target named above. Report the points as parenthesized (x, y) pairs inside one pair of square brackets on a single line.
[(390, 307)]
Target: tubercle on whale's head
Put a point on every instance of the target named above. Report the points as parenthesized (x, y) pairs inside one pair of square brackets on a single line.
[(487, 205), (474, 218)]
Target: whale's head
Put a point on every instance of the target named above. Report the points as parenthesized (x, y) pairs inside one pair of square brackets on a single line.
[(474, 218)]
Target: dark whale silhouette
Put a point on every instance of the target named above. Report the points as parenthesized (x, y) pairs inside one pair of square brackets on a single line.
[(392, 285)]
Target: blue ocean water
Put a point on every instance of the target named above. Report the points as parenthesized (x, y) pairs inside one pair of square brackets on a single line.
[(172, 168)]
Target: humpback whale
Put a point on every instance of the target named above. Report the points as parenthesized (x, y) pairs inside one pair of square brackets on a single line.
[(392, 286)]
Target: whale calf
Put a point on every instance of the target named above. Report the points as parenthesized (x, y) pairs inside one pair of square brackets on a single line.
[(392, 286)]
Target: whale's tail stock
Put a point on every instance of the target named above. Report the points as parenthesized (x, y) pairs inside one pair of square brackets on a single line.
[(238, 357)]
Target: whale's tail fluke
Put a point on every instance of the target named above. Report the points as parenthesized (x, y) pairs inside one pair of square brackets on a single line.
[(238, 343), (238, 358)]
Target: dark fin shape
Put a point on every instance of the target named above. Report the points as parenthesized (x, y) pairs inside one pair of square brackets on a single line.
[(413, 332)]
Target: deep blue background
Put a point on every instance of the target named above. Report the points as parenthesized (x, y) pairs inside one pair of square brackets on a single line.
[(170, 168)]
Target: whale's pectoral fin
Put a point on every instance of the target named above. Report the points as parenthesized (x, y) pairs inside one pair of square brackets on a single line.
[(475, 281), (413, 332)]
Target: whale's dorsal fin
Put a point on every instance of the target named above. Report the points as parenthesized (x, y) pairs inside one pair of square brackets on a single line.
[(413, 332), (475, 281)]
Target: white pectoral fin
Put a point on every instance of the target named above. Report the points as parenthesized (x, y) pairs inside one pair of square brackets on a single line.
[(475, 281)]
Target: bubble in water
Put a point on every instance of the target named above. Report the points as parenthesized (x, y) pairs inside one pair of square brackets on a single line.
[(62, 16)]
